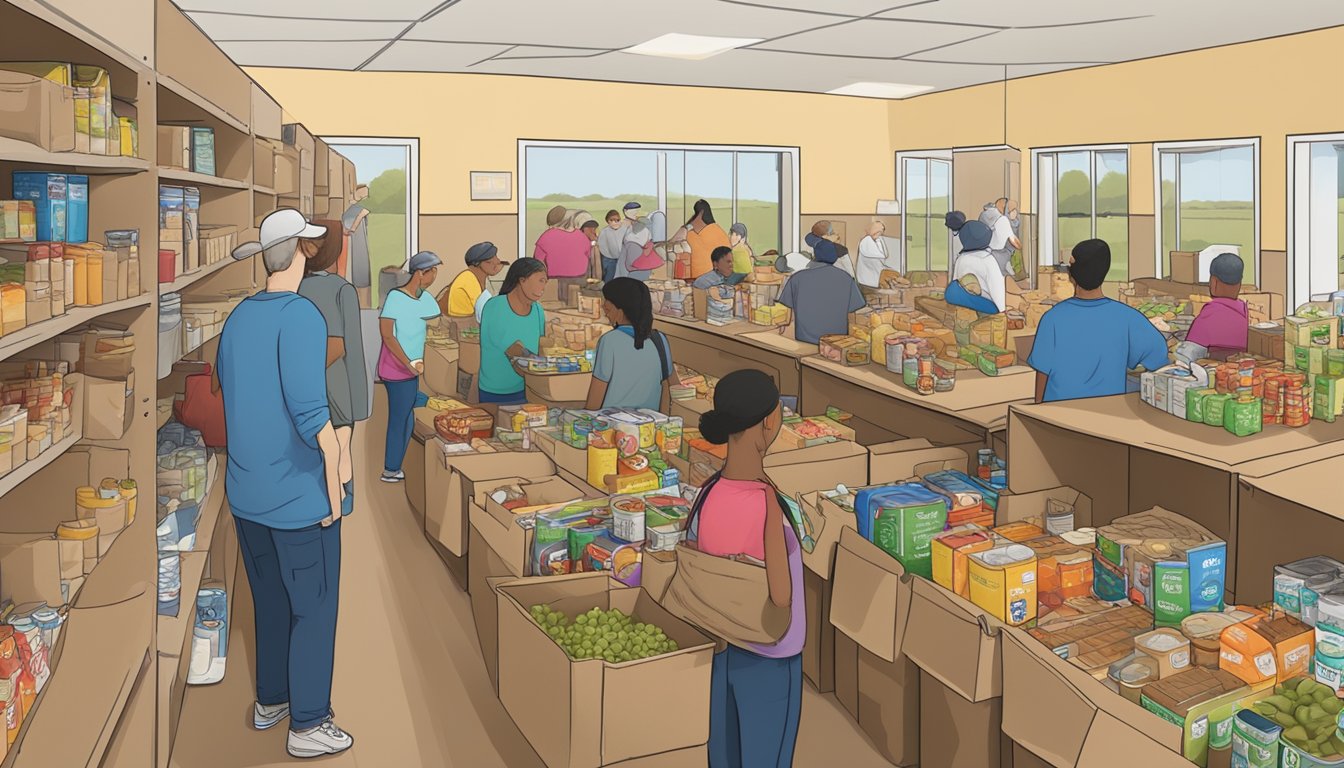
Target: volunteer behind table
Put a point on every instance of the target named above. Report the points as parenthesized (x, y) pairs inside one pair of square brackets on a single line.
[(512, 325), (347, 377), (459, 298), (744, 261), (1086, 345), (872, 256), (821, 296), (755, 690), (986, 295), (634, 362), (1223, 324), (723, 270), (704, 235), (609, 244), (403, 324)]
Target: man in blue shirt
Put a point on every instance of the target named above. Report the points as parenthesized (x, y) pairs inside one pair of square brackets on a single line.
[(1086, 345), (283, 486)]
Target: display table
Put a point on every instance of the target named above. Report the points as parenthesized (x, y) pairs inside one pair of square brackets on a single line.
[(1129, 457), (718, 350), (885, 409)]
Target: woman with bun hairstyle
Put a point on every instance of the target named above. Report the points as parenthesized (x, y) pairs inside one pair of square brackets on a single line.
[(756, 691), (634, 362)]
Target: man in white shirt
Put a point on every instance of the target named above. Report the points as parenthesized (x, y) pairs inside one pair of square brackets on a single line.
[(976, 261), (872, 256)]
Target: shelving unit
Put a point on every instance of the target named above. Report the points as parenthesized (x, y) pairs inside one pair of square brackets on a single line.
[(186, 281), (200, 179)]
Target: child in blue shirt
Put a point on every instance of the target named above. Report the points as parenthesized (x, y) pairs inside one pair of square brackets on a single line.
[(1086, 345)]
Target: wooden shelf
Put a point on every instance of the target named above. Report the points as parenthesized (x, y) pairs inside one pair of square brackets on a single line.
[(65, 24), (260, 190), (185, 281), (15, 151), (174, 632), (202, 103), (31, 467), (14, 343), (200, 179)]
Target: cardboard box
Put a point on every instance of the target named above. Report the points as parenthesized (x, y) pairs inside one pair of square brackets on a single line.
[(30, 569), (904, 459), (440, 376), (826, 520), (499, 527), (1031, 507), (1184, 266), (889, 707), (485, 570), (108, 407), (573, 461), (847, 674), (413, 466), (1069, 718), (450, 485), (656, 572), (562, 390), (584, 713), (1303, 500), (821, 466), (954, 732)]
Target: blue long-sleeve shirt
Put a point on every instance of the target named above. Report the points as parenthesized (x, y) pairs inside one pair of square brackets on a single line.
[(1087, 346)]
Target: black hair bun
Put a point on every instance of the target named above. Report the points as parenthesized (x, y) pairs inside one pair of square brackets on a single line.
[(715, 426)]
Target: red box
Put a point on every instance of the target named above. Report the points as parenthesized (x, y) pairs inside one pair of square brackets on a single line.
[(167, 266)]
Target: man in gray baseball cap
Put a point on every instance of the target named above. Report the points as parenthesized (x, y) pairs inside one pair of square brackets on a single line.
[(1223, 324), (284, 489)]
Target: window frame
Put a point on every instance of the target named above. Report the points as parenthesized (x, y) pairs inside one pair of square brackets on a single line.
[(1299, 215), (1045, 257), (1177, 146), (789, 180), (412, 147), (945, 155)]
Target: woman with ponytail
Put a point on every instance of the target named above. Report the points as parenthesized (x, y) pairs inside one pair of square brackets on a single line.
[(634, 362), (756, 691)]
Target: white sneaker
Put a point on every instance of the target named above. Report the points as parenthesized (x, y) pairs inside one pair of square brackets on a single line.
[(266, 716), (393, 477), (325, 739)]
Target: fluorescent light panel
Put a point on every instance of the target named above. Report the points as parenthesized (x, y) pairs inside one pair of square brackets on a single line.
[(881, 90), (690, 47)]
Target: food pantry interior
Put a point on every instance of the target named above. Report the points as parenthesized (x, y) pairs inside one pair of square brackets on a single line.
[(710, 383)]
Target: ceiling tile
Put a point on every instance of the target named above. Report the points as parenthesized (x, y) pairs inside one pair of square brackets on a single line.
[(839, 8), (311, 55), (235, 27), (877, 39), (1036, 13), (538, 52), (593, 24), (382, 10), (414, 56)]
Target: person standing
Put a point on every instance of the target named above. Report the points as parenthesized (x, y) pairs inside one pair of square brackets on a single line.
[(744, 261), (1223, 325), (1085, 346), (999, 217), (977, 282), (552, 240), (821, 296), (872, 256), (512, 325), (403, 325), (347, 378), (634, 362), (283, 487), (954, 221), (567, 255), (459, 299), (589, 229), (609, 244), (704, 235), (638, 241), (756, 691), (356, 225)]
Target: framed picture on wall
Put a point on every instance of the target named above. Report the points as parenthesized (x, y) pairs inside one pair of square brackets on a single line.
[(491, 185)]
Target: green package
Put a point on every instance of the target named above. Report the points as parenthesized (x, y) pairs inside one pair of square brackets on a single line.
[(1214, 408), (970, 354), (1334, 362), (1194, 403), (1325, 398), (1302, 358), (581, 537), (1244, 418), (1171, 593)]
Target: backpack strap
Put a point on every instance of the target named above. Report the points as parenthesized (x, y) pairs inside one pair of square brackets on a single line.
[(693, 519), (660, 344)]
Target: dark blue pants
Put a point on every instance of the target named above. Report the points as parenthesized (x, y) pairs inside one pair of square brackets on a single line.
[(401, 400), (295, 578), (754, 707), (497, 398), (608, 269)]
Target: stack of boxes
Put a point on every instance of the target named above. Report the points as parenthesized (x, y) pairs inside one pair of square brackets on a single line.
[(188, 148), (179, 226), (38, 397), (84, 97), (671, 298)]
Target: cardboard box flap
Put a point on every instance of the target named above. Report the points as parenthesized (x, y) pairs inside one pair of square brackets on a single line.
[(826, 520), (1314, 486), (821, 466), (1069, 718), (869, 597), (1022, 506), (567, 457), (954, 641), (904, 459), (551, 490), (489, 466)]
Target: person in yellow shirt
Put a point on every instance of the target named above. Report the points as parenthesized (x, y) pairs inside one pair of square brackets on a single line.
[(744, 261), (703, 235), (459, 298)]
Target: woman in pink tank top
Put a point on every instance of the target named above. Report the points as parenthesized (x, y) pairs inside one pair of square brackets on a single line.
[(756, 691)]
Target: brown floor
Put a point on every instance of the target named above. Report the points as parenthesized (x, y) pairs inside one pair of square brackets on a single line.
[(409, 682)]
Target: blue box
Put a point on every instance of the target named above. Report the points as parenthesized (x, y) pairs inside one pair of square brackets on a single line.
[(48, 193), (77, 209)]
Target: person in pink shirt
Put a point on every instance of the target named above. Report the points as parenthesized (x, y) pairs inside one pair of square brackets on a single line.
[(1223, 323), (566, 249), (755, 690)]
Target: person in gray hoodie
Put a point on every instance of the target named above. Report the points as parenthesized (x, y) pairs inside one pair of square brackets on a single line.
[(637, 236)]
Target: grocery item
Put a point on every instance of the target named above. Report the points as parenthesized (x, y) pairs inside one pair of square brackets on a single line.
[(1255, 740), (1172, 600), (627, 518), (1167, 647), (1133, 672), (1308, 713), (1197, 700), (1108, 580), (1095, 641), (610, 636), (1205, 631), (902, 520), (1019, 532), (1297, 585), (1003, 582), (1293, 643), (1246, 654), (948, 556)]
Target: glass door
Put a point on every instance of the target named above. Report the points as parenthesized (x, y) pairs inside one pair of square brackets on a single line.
[(928, 198)]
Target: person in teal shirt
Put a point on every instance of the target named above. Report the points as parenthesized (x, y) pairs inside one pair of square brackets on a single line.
[(512, 325), (403, 324)]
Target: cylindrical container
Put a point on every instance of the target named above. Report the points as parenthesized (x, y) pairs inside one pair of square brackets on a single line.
[(1255, 740), (129, 491), (1169, 648), (1292, 756), (85, 532), (1131, 673), (108, 513), (895, 354), (49, 622), (910, 371), (1003, 582), (627, 518), (170, 583), (924, 384), (1329, 664), (1204, 631), (602, 461)]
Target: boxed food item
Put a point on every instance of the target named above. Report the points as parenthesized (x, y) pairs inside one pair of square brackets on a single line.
[(948, 557), (1168, 648), (1205, 631), (1003, 583), (902, 520), (1198, 700), (1203, 554), (1297, 585)]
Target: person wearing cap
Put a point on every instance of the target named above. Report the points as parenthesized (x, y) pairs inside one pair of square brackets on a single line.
[(459, 298), (1086, 345), (873, 256), (977, 282), (609, 243), (1223, 324), (744, 260), (347, 377), (954, 221), (403, 323), (283, 486), (821, 296), (704, 235)]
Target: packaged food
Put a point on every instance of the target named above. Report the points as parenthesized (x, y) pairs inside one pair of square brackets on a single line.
[(1296, 585), (902, 520), (1246, 654), (949, 553), (627, 518), (1255, 740), (1293, 643), (1003, 583), (1195, 700), (1205, 631), (1019, 532), (1167, 647), (1131, 673), (1309, 713)]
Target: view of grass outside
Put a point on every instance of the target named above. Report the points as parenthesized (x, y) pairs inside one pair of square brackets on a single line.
[(383, 169), (927, 191), (1076, 220), (1211, 195)]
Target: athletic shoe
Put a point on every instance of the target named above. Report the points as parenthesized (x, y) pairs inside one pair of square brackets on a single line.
[(325, 739), (393, 477), (268, 716)]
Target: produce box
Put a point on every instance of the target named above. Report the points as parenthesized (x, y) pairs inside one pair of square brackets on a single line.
[(585, 712)]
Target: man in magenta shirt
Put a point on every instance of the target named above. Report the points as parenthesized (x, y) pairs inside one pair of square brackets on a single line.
[(1222, 326)]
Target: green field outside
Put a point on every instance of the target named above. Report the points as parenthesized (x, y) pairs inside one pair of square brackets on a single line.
[(1113, 229), (1205, 224), (761, 218), (387, 245)]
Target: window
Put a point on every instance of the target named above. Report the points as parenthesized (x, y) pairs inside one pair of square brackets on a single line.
[(927, 193), (1083, 194), (1316, 232), (388, 167), (754, 186), (1208, 196)]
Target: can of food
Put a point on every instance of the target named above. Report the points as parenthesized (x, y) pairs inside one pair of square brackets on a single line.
[(1255, 740), (627, 518)]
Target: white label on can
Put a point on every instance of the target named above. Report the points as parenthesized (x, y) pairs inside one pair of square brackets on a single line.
[(1180, 659), (1200, 728), (1265, 664)]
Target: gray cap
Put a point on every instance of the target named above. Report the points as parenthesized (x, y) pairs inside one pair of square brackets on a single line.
[(423, 260), (632, 206), (740, 230), (1228, 267), (480, 252)]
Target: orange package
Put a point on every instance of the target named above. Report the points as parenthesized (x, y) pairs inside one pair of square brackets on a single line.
[(1246, 654), (949, 552), (1019, 532)]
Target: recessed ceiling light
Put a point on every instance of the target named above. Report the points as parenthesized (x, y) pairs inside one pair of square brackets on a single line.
[(692, 47), (881, 90)]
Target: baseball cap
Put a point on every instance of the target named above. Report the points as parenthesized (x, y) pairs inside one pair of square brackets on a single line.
[(632, 206), (423, 260), (1228, 267), (480, 252), (279, 226)]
